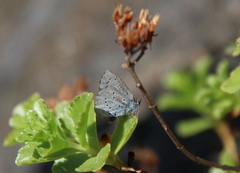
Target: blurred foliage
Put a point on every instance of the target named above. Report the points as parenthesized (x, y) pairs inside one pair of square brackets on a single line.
[(214, 96), (199, 90), (233, 49), (236, 51), (224, 158), (232, 84)]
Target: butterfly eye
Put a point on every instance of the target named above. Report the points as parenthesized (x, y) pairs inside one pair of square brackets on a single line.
[(111, 119)]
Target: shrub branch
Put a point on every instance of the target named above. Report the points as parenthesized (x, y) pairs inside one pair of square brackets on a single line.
[(130, 66)]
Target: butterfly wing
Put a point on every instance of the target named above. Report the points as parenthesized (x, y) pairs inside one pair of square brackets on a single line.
[(114, 98), (111, 84)]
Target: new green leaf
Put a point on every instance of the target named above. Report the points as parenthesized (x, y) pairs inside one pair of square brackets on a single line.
[(123, 131), (68, 164), (236, 51), (43, 137), (79, 121), (18, 119), (191, 127), (95, 163), (232, 84)]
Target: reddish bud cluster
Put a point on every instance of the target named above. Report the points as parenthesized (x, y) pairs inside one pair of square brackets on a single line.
[(133, 36)]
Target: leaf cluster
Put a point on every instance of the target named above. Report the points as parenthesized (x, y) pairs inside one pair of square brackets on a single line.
[(66, 135), (199, 90)]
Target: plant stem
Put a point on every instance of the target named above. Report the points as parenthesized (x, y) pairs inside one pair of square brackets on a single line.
[(226, 136), (130, 66)]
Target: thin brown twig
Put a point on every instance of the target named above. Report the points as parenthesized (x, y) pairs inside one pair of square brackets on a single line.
[(130, 66), (144, 47)]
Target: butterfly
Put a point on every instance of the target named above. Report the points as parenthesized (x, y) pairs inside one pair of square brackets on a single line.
[(114, 98)]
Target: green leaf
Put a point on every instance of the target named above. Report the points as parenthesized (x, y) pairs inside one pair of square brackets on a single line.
[(236, 51), (178, 80), (95, 163), (201, 69), (28, 154), (69, 163), (212, 102), (123, 131), (212, 81), (221, 108), (40, 124), (18, 120), (185, 84), (60, 106), (10, 139), (225, 159), (175, 101), (191, 127), (222, 70), (232, 84), (44, 139), (56, 148), (229, 49), (79, 121)]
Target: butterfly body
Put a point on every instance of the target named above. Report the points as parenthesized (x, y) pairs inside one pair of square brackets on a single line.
[(114, 98)]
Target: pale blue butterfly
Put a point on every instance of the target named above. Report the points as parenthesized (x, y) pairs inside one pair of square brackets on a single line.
[(114, 98)]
